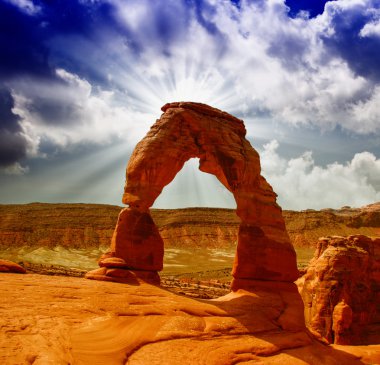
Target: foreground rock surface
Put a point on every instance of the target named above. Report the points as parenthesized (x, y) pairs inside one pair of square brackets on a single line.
[(341, 290), (92, 225), (61, 320)]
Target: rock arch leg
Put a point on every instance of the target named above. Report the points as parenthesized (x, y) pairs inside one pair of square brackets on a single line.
[(137, 241), (264, 251), (136, 250)]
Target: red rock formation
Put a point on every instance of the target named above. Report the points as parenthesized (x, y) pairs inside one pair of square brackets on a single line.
[(188, 130), (9, 266), (341, 290)]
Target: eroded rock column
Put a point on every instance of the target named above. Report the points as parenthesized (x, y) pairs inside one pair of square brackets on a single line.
[(264, 251), (136, 251)]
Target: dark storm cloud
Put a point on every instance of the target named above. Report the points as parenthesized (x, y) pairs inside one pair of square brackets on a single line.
[(12, 142), (8, 120), (362, 53), (12, 148)]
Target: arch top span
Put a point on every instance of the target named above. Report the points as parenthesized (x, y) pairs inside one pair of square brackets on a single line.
[(206, 110), (186, 130)]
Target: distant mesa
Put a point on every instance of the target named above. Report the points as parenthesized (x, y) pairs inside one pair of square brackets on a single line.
[(186, 130), (85, 226)]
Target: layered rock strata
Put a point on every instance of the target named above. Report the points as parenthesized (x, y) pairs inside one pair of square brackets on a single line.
[(84, 226), (305, 227), (184, 131), (341, 290)]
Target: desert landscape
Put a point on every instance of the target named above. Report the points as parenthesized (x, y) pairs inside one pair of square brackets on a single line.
[(75, 235), (226, 293), (190, 182)]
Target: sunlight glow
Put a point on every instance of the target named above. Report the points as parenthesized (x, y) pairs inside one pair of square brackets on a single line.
[(193, 188)]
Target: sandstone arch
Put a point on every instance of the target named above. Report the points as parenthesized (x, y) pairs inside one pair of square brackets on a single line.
[(186, 130)]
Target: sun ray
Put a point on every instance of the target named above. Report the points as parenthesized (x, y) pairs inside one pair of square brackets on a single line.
[(193, 188)]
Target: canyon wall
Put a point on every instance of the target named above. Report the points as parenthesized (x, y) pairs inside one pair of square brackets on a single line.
[(50, 225), (92, 225)]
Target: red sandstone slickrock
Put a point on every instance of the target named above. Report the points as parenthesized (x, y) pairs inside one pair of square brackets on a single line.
[(188, 130), (341, 290), (64, 320)]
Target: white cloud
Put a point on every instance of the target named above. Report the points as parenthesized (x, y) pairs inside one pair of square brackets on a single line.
[(371, 29), (15, 169), (365, 115), (27, 6), (301, 184), (255, 59), (282, 65), (81, 113)]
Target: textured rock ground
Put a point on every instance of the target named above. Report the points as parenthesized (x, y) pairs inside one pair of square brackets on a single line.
[(341, 290), (60, 320), (91, 225)]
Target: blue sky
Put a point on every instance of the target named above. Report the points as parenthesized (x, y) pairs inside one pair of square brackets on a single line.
[(82, 81)]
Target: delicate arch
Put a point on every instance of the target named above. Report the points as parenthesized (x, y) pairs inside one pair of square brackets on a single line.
[(188, 130)]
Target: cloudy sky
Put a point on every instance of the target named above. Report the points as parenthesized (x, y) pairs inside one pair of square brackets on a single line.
[(82, 81)]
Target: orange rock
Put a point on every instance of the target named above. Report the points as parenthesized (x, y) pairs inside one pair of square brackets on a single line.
[(122, 275), (136, 240), (66, 320), (188, 130), (341, 290), (9, 266), (112, 262)]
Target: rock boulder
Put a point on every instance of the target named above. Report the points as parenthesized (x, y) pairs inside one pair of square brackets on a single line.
[(10, 266)]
